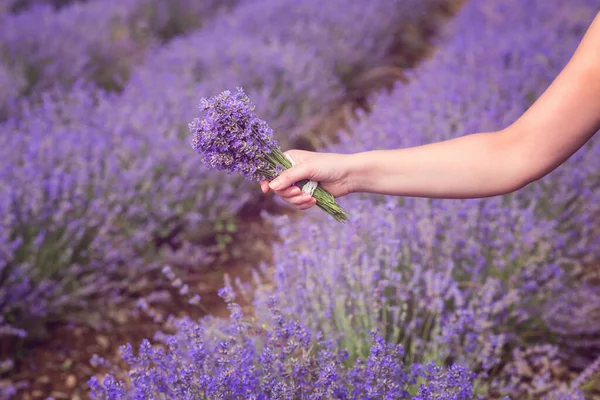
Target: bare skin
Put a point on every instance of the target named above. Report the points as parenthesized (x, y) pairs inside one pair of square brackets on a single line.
[(485, 164)]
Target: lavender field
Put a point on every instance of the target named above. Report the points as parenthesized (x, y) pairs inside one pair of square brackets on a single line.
[(128, 270)]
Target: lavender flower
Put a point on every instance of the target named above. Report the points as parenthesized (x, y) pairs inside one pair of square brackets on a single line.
[(232, 138), (452, 383), (282, 359)]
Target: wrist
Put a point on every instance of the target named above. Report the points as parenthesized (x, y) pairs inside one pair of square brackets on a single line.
[(357, 172)]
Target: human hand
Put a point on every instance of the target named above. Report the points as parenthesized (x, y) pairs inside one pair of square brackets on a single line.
[(330, 170)]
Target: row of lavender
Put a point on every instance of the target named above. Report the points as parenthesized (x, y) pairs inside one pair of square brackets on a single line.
[(97, 41), (80, 193), (99, 186), (491, 298), (101, 42)]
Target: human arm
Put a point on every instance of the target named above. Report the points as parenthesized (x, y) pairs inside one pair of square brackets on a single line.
[(562, 120)]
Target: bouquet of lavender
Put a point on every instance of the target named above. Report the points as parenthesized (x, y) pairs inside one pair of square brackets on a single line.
[(232, 138)]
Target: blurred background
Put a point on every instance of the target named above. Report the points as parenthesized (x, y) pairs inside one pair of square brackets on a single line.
[(111, 229)]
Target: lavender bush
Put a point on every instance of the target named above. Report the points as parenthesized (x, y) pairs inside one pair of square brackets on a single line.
[(443, 294), (285, 83), (66, 200), (321, 29), (98, 41), (89, 212), (288, 79), (280, 359)]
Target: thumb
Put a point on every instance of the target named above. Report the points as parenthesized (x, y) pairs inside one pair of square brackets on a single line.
[(290, 176), (299, 156)]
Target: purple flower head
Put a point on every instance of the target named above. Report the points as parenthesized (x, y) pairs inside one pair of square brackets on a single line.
[(231, 137), (227, 294), (282, 360), (454, 382)]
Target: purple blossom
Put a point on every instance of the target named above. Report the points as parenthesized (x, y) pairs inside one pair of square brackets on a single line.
[(281, 359), (232, 138), (452, 383), (227, 294)]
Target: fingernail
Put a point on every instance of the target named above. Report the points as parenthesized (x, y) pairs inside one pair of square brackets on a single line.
[(275, 184)]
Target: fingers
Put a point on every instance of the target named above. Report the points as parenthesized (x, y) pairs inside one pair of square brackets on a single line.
[(299, 156), (291, 192), (305, 206), (298, 200), (283, 185), (292, 195), (290, 176), (301, 201)]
